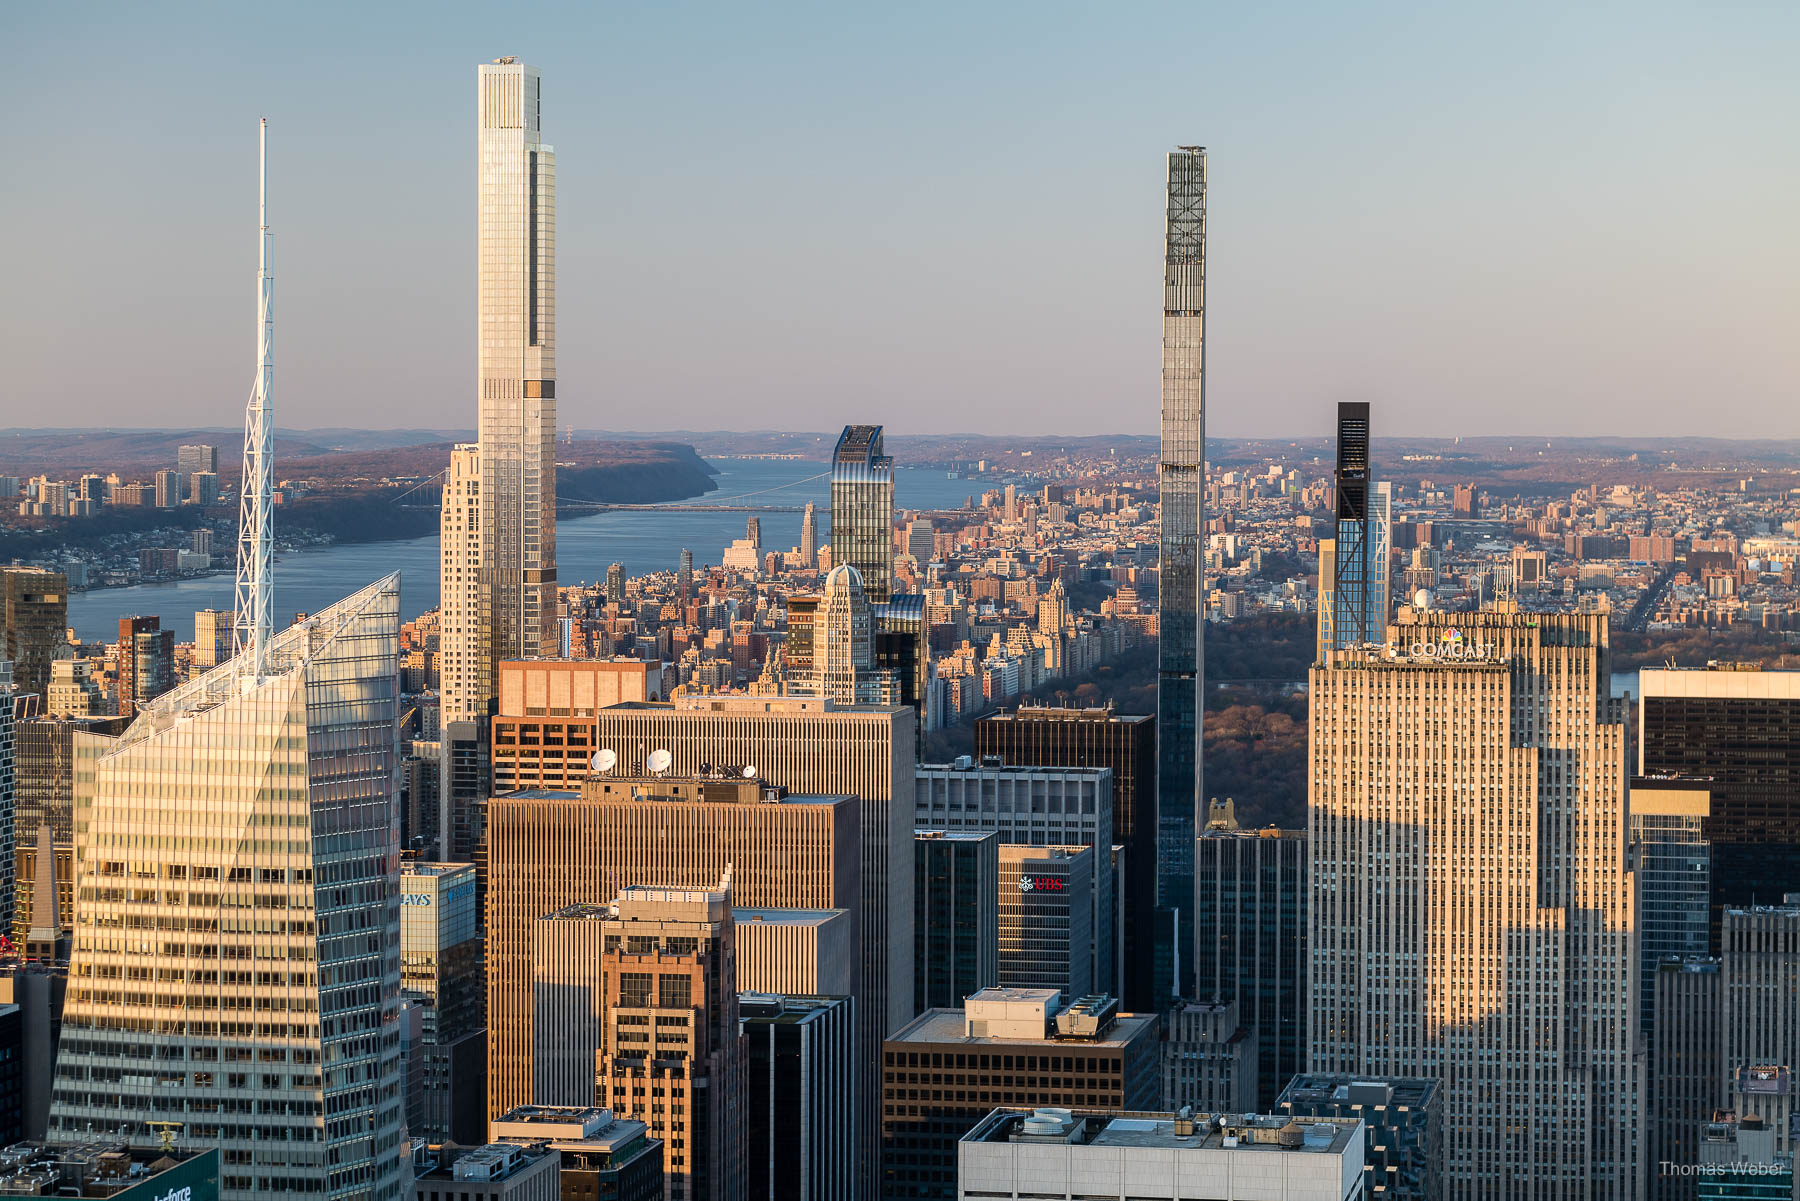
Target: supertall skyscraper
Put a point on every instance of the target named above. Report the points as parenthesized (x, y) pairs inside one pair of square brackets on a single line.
[(1353, 564), (1472, 901), (1181, 667), (516, 374), (862, 509)]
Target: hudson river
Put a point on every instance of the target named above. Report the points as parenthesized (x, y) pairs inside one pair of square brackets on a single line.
[(309, 580)]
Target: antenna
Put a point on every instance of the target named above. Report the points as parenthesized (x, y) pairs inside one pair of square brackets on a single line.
[(659, 761), (605, 760), (255, 582)]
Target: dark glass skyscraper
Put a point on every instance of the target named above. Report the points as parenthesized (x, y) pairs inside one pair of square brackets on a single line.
[(1127, 744), (1181, 669), (1353, 565), (862, 509)]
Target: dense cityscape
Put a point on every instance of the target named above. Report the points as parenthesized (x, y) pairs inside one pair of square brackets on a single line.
[(1357, 815)]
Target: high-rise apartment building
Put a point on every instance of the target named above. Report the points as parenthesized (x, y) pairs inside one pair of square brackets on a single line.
[(460, 677), (1181, 583), (248, 819), (949, 1068), (862, 509), (1471, 912), (515, 563), (35, 619), (195, 458), (1739, 731), (1353, 564), (169, 489), (1093, 739), (74, 691), (956, 915), (212, 637), (1251, 899), (801, 1088), (440, 970), (1048, 936), (673, 1056), (146, 662), (1760, 1014)]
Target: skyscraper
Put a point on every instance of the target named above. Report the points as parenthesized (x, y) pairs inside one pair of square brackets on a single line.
[(1047, 935), (146, 661), (862, 509), (1181, 605), (234, 798), (35, 621), (440, 970), (197, 458), (550, 849), (672, 1054), (1251, 902), (1353, 565), (1674, 878), (1125, 744), (684, 577), (840, 652), (8, 799), (1760, 1022), (956, 915), (809, 537), (1471, 914), (1739, 732), (212, 637), (459, 584), (801, 1085), (515, 567)]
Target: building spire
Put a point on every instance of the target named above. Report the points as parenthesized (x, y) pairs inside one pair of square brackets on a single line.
[(255, 581)]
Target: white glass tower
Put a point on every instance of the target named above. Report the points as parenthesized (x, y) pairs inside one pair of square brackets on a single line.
[(516, 380), (236, 966)]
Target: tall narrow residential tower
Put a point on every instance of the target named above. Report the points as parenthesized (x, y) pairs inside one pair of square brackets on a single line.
[(1353, 565), (862, 509), (516, 376), (1182, 605)]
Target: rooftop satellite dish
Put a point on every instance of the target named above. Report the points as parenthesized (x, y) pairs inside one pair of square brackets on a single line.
[(659, 761), (750, 772), (605, 760), (1422, 599)]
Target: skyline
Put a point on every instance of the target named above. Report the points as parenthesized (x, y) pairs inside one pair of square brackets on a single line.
[(1633, 197)]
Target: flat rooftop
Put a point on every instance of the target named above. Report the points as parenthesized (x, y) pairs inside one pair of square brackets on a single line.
[(1411, 1092), (1249, 1133), (786, 917), (947, 1026)]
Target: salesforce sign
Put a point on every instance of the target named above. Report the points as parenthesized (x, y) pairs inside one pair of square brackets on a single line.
[(194, 1179)]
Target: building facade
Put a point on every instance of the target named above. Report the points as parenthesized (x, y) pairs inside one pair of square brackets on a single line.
[(1209, 1058), (1181, 580), (1353, 564), (801, 1088), (1048, 935), (1739, 731), (1687, 1071), (948, 1068), (1674, 878), (1093, 739), (1251, 895), (461, 681), (440, 971), (248, 796), (34, 616), (956, 915), (1760, 1014), (515, 568), (1403, 1121), (1472, 907), (551, 849), (862, 509), (672, 1054)]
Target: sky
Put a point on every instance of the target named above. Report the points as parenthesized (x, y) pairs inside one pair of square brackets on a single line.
[(1484, 219)]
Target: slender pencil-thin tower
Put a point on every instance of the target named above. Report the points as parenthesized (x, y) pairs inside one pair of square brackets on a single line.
[(1182, 604), (255, 580)]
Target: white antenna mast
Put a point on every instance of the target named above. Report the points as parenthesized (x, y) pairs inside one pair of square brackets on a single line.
[(255, 582)]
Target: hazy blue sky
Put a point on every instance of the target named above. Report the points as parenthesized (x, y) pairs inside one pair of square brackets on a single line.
[(1485, 218)]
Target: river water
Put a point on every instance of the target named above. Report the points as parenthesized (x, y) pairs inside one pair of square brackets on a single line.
[(309, 580)]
